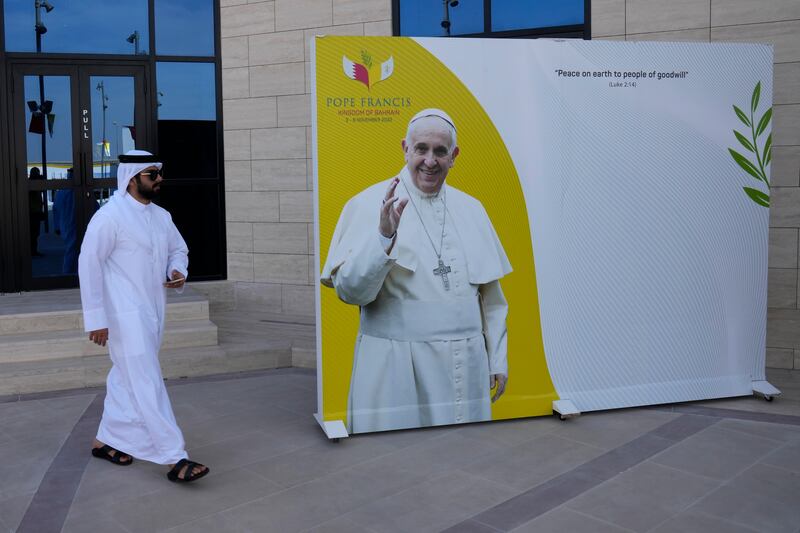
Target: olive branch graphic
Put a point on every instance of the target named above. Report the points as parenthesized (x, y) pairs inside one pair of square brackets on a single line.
[(366, 58), (764, 156)]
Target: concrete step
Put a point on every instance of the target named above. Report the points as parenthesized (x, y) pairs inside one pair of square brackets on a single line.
[(53, 345), (72, 319), (91, 371), (60, 310)]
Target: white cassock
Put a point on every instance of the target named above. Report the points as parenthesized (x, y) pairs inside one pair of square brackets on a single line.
[(127, 254), (423, 354)]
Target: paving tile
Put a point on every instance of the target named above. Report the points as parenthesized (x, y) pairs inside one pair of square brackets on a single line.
[(698, 522), (777, 432), (458, 490), (215, 523), (320, 458), (534, 462), (241, 450), (513, 432), (13, 509), (643, 497), (409, 510), (340, 525), (92, 521), (564, 520), (431, 458), (716, 453), (176, 503), (786, 457), (612, 428), (763, 498), (310, 504), (535, 502), (104, 484), (225, 427), (470, 526)]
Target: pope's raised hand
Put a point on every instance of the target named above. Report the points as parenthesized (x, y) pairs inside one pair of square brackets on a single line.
[(391, 210)]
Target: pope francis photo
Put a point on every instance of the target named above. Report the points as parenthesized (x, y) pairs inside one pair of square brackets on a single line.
[(423, 262)]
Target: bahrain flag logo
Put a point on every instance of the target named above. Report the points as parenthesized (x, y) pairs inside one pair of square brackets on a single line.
[(367, 72)]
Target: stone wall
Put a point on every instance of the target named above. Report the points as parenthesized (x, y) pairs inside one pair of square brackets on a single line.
[(268, 170), (766, 21), (266, 85)]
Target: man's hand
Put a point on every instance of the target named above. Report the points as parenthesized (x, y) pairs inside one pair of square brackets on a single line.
[(499, 380), (99, 336), (391, 211), (177, 280)]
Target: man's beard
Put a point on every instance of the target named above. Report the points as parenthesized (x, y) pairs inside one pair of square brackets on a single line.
[(147, 194)]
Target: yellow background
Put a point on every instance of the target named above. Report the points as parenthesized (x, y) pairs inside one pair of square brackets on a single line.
[(352, 156)]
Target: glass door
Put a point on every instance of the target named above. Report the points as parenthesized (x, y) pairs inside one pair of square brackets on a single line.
[(70, 125)]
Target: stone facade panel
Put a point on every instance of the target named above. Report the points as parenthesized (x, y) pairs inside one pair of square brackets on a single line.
[(276, 48), (279, 143), (348, 11), (300, 14), (279, 175), (281, 268), (251, 206), (247, 19), (280, 238), (250, 113), (645, 16), (277, 80)]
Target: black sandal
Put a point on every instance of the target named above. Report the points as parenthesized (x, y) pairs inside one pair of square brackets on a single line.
[(188, 474), (104, 452)]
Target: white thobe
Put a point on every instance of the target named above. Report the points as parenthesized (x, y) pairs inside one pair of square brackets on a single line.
[(423, 354), (129, 251)]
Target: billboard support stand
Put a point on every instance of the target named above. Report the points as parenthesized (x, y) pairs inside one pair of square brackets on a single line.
[(765, 389), (334, 429), (565, 409)]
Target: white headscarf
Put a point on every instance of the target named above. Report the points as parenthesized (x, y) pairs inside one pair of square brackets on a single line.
[(126, 171)]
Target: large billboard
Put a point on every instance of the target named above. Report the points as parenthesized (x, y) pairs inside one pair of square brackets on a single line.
[(505, 224)]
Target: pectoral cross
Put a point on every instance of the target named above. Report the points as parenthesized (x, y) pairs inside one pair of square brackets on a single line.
[(443, 270)]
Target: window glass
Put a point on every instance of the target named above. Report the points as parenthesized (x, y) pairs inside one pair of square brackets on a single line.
[(185, 27), (423, 18), (79, 26), (524, 14), (48, 123), (197, 212), (187, 120)]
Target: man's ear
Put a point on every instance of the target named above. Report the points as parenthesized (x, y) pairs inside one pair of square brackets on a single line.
[(403, 144), (453, 156)]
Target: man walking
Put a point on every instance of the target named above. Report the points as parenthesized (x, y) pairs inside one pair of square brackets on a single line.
[(130, 250)]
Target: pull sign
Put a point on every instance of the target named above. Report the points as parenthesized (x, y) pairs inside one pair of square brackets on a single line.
[(85, 126)]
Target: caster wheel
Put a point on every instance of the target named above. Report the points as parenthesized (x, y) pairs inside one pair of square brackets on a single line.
[(769, 398), (335, 440), (562, 418)]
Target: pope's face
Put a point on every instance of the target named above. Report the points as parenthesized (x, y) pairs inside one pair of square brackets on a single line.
[(429, 155)]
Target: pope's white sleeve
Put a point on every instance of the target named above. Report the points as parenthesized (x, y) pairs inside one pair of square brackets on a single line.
[(360, 277), (494, 310), (98, 243), (178, 252)]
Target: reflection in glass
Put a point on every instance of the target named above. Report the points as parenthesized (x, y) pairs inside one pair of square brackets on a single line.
[(187, 126), (49, 126), (423, 18), (185, 27), (78, 26), (523, 14), (113, 129)]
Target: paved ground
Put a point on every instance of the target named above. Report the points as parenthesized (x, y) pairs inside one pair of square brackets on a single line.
[(728, 466)]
